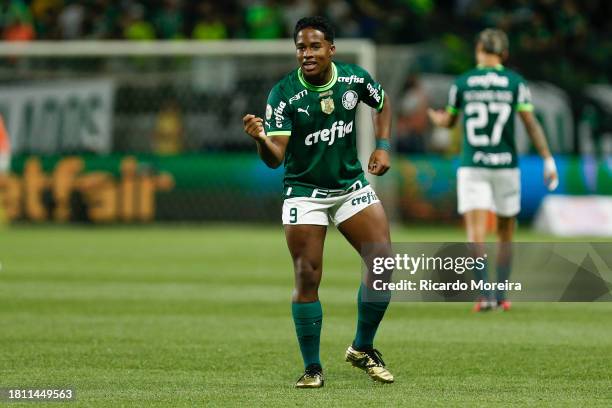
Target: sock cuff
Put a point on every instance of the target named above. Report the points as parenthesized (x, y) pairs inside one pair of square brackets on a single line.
[(368, 295), (307, 310)]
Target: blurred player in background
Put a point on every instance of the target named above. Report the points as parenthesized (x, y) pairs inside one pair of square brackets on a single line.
[(5, 165), (310, 124), (488, 178)]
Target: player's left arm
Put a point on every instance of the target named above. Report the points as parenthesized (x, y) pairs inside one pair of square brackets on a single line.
[(380, 162), (373, 95), (538, 138), (524, 106)]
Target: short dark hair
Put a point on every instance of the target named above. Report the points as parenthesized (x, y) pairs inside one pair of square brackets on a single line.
[(493, 41), (318, 23)]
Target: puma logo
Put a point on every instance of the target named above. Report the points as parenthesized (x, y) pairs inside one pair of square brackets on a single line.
[(304, 110)]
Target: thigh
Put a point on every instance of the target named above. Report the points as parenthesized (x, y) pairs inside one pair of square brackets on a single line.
[(305, 244), (474, 190), (368, 232), (367, 226), (507, 192)]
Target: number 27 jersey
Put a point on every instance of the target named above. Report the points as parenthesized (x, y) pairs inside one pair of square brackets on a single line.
[(489, 98)]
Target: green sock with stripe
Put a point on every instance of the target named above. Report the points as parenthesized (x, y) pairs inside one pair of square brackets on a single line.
[(308, 318), (370, 312)]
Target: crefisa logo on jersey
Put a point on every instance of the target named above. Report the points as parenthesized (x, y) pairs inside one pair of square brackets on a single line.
[(349, 100), (353, 79), (488, 80), (374, 93), (278, 114), (338, 130)]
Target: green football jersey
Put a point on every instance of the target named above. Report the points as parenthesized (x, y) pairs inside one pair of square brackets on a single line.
[(489, 98), (321, 157)]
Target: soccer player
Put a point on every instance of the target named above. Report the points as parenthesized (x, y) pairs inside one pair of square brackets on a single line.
[(310, 125), (488, 177)]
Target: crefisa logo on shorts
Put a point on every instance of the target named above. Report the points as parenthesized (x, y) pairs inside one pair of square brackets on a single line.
[(366, 198)]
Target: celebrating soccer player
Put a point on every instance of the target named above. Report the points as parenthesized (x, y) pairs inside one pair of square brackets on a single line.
[(488, 178), (310, 125)]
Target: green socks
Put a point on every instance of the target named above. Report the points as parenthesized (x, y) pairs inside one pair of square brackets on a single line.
[(308, 318), (369, 315), (483, 275), (503, 273)]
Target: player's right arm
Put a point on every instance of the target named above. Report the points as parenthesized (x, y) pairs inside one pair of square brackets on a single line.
[(447, 118), (270, 149)]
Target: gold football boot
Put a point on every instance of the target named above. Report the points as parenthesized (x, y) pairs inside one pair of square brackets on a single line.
[(312, 378), (371, 362)]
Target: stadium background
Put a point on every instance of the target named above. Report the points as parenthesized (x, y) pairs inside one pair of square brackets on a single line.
[(193, 306), (180, 115)]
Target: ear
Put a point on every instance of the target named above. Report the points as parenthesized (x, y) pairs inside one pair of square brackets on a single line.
[(504, 56), (332, 50)]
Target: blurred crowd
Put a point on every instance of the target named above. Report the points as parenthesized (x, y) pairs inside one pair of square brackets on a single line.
[(571, 39), (566, 42)]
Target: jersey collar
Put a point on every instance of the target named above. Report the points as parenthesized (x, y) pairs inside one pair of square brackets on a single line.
[(498, 67), (321, 88)]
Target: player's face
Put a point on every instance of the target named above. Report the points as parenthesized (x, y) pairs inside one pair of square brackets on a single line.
[(314, 54)]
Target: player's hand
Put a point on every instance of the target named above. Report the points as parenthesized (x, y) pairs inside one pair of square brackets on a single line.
[(437, 117), (253, 126), (551, 178), (379, 162)]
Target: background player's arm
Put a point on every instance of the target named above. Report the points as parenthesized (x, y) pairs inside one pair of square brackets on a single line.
[(442, 118), (536, 134), (379, 161), (447, 118), (270, 149)]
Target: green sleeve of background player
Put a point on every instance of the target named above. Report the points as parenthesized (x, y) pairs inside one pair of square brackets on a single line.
[(454, 98)]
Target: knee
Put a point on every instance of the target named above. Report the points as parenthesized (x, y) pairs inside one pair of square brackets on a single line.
[(307, 279)]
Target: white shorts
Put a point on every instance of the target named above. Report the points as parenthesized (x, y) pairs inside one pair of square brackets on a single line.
[(318, 211), (498, 190)]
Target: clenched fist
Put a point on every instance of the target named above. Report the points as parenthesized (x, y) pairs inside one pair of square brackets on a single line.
[(253, 126)]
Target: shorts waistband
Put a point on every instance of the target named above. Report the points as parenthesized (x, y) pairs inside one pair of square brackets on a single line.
[(301, 191)]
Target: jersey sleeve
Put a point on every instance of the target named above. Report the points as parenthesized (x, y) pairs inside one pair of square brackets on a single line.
[(454, 99), (278, 118), (523, 97), (371, 92)]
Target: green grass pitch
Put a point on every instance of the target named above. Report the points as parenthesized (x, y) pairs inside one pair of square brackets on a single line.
[(200, 315)]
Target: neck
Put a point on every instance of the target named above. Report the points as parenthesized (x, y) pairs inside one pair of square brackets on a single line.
[(489, 61), (323, 78)]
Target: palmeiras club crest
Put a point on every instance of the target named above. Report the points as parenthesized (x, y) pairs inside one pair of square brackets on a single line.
[(327, 105), (349, 100)]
